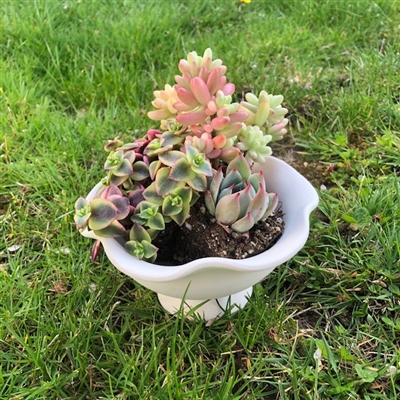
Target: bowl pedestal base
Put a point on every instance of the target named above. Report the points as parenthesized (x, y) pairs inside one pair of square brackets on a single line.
[(206, 309)]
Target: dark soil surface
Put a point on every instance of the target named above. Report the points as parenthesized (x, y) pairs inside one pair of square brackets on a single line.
[(201, 236)]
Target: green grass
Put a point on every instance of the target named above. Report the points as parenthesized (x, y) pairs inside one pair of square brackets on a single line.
[(76, 73)]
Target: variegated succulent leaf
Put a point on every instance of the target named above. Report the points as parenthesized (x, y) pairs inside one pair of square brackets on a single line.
[(112, 145), (115, 229), (198, 161), (148, 214), (140, 171), (153, 147), (182, 171), (158, 146), (119, 163), (152, 195), (135, 196), (171, 140), (177, 204), (191, 167), (82, 212), (169, 158), (164, 183), (140, 244), (173, 127), (102, 214)]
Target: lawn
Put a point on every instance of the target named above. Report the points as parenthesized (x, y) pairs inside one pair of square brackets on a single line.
[(325, 325)]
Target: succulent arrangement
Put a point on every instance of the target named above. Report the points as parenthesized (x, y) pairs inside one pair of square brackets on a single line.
[(205, 147)]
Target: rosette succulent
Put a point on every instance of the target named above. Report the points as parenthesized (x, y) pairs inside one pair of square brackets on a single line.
[(238, 200), (139, 244), (204, 148), (191, 167)]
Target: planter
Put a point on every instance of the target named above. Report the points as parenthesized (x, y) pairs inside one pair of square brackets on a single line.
[(212, 285)]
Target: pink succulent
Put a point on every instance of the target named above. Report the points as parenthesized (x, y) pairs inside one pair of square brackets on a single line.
[(206, 144), (164, 100)]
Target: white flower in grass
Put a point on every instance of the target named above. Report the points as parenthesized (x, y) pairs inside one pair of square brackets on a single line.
[(392, 370), (318, 358)]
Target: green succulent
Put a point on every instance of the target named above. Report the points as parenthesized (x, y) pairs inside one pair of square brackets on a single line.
[(148, 214), (176, 204), (191, 167), (239, 199), (104, 213), (254, 143), (140, 244), (266, 112), (119, 166)]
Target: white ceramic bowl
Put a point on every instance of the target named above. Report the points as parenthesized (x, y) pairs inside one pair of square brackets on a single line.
[(214, 284)]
